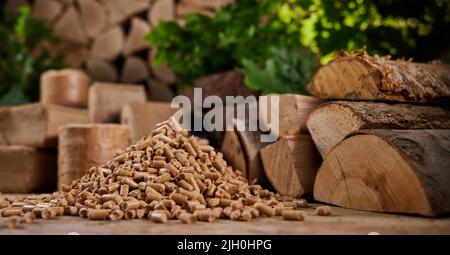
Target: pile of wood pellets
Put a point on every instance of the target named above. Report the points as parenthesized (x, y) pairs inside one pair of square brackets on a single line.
[(168, 175)]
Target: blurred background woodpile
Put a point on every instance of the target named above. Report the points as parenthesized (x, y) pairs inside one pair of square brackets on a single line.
[(106, 38)]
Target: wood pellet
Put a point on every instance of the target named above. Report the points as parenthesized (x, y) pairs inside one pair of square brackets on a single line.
[(165, 176)]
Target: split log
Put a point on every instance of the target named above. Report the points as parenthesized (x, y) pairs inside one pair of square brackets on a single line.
[(293, 113), (162, 10), (159, 91), (209, 4), (136, 37), (101, 71), (332, 122), (36, 124), (291, 164), (94, 17), (134, 70), (250, 144), (75, 55), (67, 87), (120, 10), (26, 169), (70, 28), (84, 146), (141, 118), (162, 72), (106, 100), (362, 77), (398, 171), (184, 9), (233, 152), (108, 45), (47, 10)]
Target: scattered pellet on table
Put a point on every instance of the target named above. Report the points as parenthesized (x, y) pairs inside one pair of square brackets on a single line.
[(188, 218), (29, 217), (12, 222), (292, 215), (323, 210)]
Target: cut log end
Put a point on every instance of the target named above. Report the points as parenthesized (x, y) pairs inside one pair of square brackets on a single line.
[(397, 171), (332, 122), (291, 164)]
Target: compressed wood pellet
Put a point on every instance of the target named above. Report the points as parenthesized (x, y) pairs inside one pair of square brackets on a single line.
[(28, 208), (12, 222), (129, 205), (116, 215), (179, 198), (264, 209), (158, 217), (300, 203), (188, 218), (235, 215), (83, 212), (279, 209), (292, 215), (3, 204), (29, 217), (12, 211), (323, 210), (140, 213), (246, 215), (97, 214), (71, 210), (206, 215), (130, 214)]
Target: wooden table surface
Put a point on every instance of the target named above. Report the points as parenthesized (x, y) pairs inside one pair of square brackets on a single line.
[(344, 221)]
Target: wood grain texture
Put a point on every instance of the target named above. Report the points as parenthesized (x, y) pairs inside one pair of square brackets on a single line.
[(291, 164), (70, 28), (293, 113), (25, 169), (332, 122), (36, 124), (362, 77), (136, 36), (82, 146), (108, 45), (67, 87), (94, 17), (403, 171), (162, 10), (106, 100)]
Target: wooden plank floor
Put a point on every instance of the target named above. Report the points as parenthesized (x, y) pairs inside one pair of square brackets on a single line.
[(344, 221)]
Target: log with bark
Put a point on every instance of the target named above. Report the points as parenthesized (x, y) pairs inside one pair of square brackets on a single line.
[(332, 122), (397, 171), (363, 77), (291, 164)]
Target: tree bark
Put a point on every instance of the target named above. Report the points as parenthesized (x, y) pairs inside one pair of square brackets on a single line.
[(332, 122), (362, 77)]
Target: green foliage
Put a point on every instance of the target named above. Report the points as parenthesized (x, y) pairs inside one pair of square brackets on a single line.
[(21, 63), (247, 32), (263, 38), (288, 71)]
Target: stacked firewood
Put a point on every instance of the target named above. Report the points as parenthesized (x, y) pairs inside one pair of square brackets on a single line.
[(386, 148), (106, 38)]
